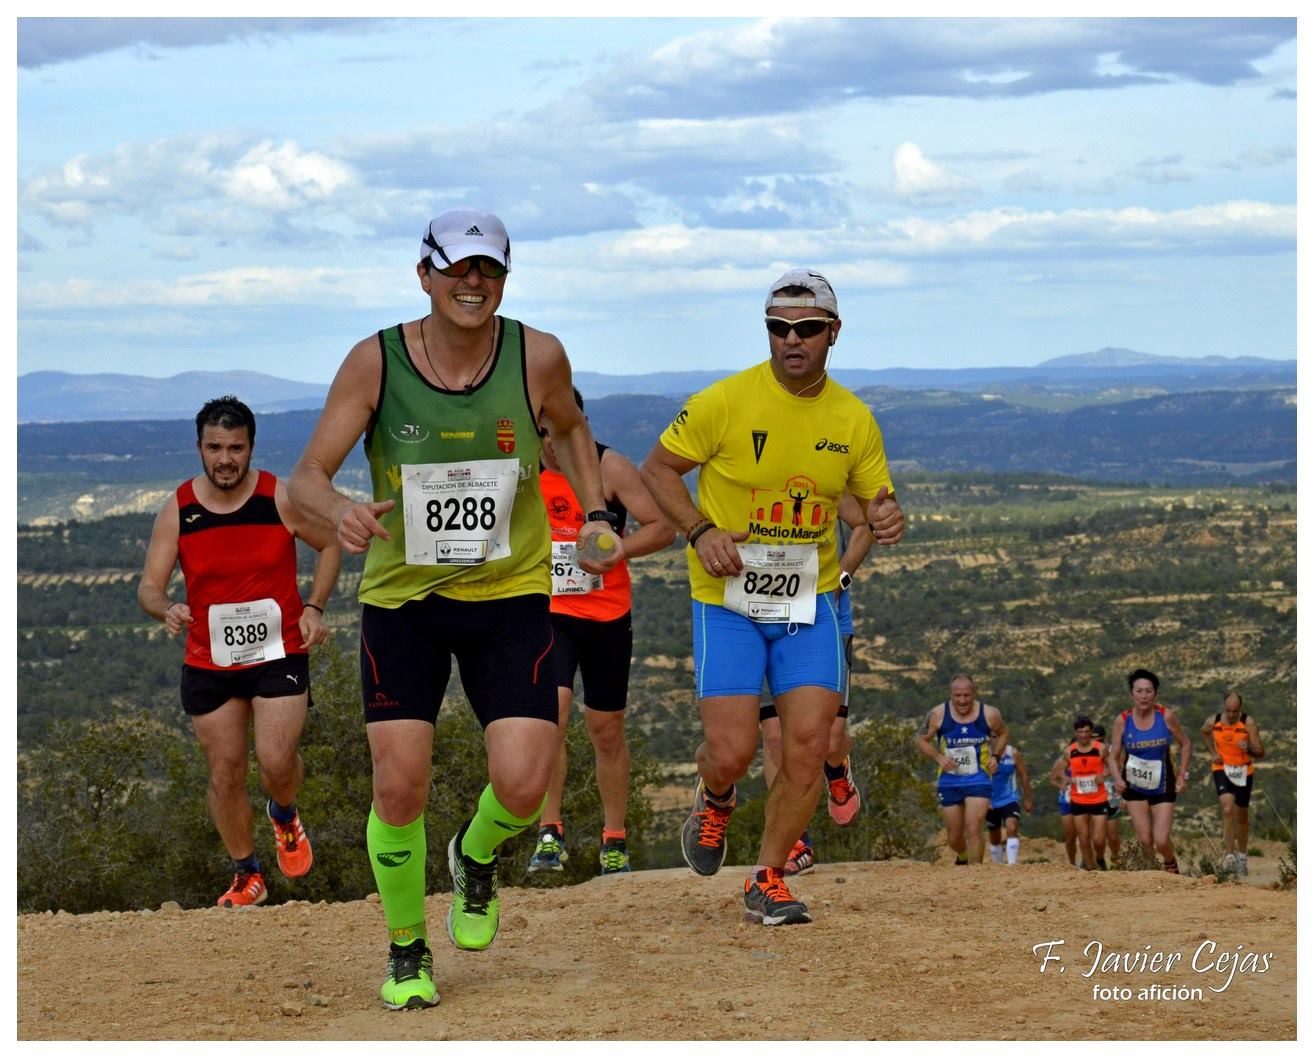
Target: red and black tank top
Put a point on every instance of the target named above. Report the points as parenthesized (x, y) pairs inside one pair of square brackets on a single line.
[(239, 557), (1087, 774)]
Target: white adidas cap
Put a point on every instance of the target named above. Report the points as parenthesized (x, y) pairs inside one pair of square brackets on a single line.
[(822, 294), (465, 233)]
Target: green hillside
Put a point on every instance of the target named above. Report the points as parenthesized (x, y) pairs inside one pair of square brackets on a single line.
[(1048, 590)]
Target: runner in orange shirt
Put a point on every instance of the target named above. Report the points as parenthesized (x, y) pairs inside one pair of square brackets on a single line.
[(1232, 740), (1086, 760), (592, 635)]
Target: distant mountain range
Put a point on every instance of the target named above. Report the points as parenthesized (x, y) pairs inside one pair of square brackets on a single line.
[(58, 396), (1205, 438)]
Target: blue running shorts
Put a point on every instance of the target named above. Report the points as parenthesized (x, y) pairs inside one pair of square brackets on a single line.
[(732, 654)]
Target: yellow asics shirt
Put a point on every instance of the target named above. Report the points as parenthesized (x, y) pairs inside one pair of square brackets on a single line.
[(776, 464)]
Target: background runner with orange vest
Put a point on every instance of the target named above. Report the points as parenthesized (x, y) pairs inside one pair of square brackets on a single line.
[(1086, 763), (1232, 741), (592, 635)]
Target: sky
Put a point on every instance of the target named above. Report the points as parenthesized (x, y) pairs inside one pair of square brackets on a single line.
[(250, 194)]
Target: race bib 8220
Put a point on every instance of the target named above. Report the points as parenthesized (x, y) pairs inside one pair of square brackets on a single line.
[(778, 584)]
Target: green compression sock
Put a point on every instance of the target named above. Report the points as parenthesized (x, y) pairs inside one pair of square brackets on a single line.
[(491, 826), (397, 856)]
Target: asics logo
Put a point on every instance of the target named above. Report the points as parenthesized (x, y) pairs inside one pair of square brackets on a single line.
[(825, 445), (393, 859)]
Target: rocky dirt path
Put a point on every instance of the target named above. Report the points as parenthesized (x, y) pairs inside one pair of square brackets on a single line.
[(898, 950)]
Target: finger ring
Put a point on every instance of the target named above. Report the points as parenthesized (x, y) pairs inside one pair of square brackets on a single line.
[(716, 565)]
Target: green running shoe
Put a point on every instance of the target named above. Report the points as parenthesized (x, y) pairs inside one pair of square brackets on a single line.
[(614, 857), (472, 918), (550, 852), (410, 978)]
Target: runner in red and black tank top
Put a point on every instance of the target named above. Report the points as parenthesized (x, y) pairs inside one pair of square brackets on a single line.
[(239, 557), (247, 634)]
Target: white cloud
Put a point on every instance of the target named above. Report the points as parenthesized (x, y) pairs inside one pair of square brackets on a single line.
[(43, 41), (285, 177), (916, 176), (679, 262), (1241, 227), (231, 287), (783, 65)]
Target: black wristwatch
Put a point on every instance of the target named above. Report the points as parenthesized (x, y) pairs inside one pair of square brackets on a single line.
[(846, 579), (603, 516)]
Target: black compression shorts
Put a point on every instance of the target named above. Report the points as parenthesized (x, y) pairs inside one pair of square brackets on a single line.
[(600, 652), (503, 648)]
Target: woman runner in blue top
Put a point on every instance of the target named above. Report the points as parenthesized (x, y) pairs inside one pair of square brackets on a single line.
[(1143, 737)]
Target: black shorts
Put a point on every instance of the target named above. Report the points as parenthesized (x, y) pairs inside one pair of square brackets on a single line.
[(205, 690), (995, 816), (503, 648), (1169, 795), (767, 709), (1101, 809), (600, 652), (1225, 785)]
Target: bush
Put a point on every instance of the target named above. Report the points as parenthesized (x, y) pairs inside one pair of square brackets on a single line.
[(113, 815)]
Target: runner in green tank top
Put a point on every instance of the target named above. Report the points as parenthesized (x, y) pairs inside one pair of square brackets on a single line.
[(457, 544)]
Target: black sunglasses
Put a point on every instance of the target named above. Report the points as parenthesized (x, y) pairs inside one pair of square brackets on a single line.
[(488, 268), (808, 327)]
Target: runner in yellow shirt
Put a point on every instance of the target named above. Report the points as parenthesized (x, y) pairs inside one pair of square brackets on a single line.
[(776, 446)]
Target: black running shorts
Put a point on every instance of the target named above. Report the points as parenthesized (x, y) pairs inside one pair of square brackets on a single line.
[(205, 690), (503, 648), (1222, 785), (600, 652)]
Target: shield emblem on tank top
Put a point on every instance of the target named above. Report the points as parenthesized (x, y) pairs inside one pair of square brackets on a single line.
[(506, 436)]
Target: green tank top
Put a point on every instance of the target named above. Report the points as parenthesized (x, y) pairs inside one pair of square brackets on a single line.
[(463, 469)]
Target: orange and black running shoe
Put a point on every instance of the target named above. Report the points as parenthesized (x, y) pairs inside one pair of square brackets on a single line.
[(769, 900), (702, 839)]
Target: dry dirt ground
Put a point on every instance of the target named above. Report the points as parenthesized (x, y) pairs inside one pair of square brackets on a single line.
[(898, 950)]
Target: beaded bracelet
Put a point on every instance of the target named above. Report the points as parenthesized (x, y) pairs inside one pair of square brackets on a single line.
[(698, 530)]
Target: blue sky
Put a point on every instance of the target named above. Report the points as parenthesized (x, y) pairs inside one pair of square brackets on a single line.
[(239, 194)]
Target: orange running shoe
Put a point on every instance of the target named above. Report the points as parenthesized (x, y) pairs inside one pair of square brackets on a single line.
[(801, 859), (247, 890), (843, 799), (294, 854)]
